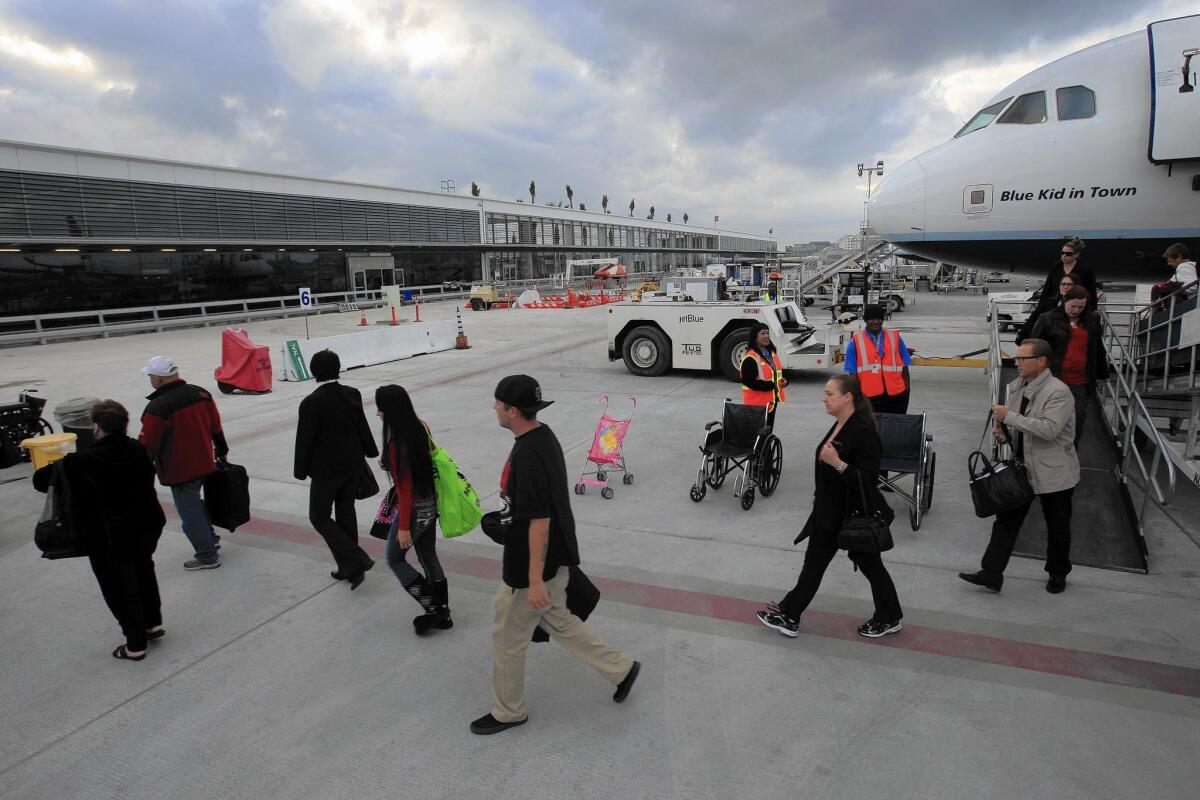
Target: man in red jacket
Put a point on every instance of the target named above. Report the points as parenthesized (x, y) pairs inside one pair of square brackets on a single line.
[(180, 429)]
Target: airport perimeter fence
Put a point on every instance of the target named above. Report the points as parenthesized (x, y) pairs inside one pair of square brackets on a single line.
[(103, 323)]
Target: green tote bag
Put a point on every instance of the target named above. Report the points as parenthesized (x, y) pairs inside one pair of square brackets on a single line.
[(457, 502)]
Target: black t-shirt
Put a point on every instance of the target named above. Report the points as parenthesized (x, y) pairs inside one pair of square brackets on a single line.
[(535, 486)]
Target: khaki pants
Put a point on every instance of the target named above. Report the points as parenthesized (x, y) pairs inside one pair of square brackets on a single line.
[(515, 623)]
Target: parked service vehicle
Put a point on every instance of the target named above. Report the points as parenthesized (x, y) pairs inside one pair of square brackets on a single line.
[(1012, 309), (484, 295), (652, 337)]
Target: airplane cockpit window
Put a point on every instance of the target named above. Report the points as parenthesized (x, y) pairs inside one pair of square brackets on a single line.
[(983, 118), (1028, 109), (1076, 102)]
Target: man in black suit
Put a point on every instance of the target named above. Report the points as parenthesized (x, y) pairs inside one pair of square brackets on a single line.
[(333, 440)]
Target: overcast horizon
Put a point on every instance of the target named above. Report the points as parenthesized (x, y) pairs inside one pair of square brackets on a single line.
[(756, 111)]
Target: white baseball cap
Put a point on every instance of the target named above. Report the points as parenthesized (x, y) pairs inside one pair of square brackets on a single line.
[(161, 366)]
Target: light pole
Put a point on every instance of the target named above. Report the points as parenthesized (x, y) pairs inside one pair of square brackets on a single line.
[(866, 225), (871, 173)]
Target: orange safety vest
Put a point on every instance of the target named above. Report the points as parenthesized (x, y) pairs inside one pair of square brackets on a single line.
[(876, 375), (771, 372)]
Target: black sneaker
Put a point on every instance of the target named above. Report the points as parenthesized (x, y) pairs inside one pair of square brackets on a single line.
[(873, 630), (487, 725), (1056, 584), (780, 622), (196, 564)]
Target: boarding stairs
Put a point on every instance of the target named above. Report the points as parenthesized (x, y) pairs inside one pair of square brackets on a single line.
[(1123, 444), (853, 251)]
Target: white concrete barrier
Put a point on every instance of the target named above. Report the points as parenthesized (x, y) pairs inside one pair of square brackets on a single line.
[(363, 348)]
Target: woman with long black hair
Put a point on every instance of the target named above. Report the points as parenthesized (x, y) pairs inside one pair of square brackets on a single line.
[(406, 447), (847, 459), (762, 372)]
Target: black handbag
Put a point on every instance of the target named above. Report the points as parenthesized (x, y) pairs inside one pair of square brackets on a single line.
[(582, 598), (367, 485), (55, 533), (868, 532), (998, 487)]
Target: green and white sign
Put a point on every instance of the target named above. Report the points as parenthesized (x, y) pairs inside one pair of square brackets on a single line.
[(299, 368)]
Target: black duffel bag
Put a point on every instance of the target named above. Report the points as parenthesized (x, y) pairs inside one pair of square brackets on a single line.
[(227, 496), (55, 534)]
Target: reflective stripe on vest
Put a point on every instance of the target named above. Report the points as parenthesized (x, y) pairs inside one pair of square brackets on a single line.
[(769, 372), (876, 374)]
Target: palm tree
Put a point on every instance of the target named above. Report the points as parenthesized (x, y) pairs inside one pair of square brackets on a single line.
[(651, 213), (604, 203), (668, 216), (474, 189), (631, 207), (570, 196), (532, 192), (685, 218)]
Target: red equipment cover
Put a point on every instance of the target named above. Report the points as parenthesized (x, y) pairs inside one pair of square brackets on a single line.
[(244, 365)]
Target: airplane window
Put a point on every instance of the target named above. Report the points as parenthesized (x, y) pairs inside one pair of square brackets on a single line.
[(1028, 109), (1076, 102), (983, 118)]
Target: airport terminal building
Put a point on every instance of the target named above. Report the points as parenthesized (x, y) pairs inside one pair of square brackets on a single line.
[(86, 230)]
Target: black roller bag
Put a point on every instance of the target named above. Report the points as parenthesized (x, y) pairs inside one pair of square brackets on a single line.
[(227, 496)]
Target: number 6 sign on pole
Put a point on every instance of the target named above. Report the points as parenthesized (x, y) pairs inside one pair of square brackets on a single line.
[(306, 304)]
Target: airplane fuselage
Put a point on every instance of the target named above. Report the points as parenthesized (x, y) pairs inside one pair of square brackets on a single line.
[(1005, 195)]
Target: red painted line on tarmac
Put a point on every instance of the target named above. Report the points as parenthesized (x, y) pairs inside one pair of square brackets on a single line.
[(1065, 662), (368, 402)]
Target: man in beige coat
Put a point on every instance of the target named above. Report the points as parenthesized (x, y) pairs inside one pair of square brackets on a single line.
[(1043, 431)]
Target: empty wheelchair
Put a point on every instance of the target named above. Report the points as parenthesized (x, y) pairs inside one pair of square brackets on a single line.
[(741, 441), (908, 452)]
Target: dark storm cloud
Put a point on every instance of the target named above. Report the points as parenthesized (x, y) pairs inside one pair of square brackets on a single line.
[(812, 79)]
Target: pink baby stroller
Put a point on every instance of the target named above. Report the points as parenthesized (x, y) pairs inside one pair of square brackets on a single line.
[(606, 453)]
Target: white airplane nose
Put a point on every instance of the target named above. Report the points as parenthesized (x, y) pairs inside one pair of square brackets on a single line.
[(897, 208)]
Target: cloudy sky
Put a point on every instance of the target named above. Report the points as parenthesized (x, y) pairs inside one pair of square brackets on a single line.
[(756, 110)]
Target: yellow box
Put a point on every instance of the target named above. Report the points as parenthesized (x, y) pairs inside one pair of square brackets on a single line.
[(47, 449)]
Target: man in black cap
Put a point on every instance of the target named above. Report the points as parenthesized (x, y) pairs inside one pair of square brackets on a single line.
[(539, 548), (881, 360)]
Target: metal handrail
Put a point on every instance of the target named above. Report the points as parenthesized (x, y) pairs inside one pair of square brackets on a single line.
[(1123, 418)]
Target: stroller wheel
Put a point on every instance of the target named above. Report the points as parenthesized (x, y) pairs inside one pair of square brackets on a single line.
[(697, 493), (606, 493), (601, 475), (748, 499), (580, 488), (627, 479)]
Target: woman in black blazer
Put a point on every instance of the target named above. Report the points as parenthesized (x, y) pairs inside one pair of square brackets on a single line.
[(849, 453), (333, 440)]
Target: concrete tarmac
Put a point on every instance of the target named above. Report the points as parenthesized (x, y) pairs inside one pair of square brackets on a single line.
[(274, 681)]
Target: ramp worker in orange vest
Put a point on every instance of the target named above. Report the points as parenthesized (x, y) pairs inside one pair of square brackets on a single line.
[(762, 373), (881, 359)]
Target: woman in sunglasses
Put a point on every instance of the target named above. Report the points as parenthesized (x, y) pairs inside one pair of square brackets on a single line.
[(1069, 258)]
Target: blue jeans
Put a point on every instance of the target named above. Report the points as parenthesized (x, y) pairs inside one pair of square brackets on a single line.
[(194, 520)]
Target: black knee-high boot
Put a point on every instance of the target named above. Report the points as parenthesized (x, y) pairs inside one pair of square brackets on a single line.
[(423, 593), (438, 615)]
